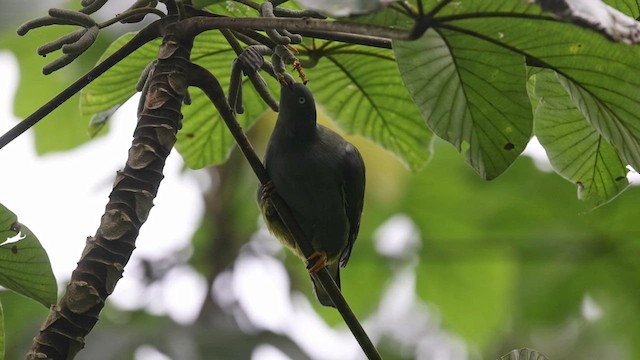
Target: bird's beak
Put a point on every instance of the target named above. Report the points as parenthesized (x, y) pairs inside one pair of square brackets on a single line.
[(287, 80)]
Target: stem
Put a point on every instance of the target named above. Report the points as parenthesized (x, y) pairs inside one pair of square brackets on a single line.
[(426, 21), (132, 12), (203, 79), (145, 35)]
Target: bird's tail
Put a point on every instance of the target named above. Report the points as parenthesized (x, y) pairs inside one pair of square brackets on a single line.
[(321, 294)]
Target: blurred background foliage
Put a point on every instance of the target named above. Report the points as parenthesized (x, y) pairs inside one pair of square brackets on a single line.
[(447, 266), (477, 267)]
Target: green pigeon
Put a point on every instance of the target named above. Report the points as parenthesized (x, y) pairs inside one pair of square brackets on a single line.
[(321, 176)]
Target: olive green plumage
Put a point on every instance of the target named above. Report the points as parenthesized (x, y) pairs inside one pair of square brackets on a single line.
[(320, 176)]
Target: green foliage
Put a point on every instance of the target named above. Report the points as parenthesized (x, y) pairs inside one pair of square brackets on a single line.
[(119, 83), (590, 161), (473, 68), (471, 93), (501, 263), (24, 264), (204, 139), (361, 90), (64, 129), (467, 76)]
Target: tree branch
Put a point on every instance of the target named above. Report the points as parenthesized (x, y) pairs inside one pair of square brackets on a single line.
[(145, 35), (131, 13), (357, 39), (203, 79), (199, 24)]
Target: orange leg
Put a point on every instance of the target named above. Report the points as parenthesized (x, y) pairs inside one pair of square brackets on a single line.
[(313, 266)]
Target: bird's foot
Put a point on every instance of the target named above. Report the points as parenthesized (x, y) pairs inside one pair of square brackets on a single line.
[(267, 190), (316, 261)]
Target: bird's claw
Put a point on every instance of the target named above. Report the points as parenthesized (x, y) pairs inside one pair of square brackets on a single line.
[(267, 190), (313, 266)]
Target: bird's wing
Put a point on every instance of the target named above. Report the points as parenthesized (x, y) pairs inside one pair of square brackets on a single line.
[(353, 190)]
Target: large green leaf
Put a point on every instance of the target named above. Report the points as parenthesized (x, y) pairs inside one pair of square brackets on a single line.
[(361, 90), (613, 118), (24, 264), (492, 35), (577, 151), (599, 73), (628, 7), (472, 93)]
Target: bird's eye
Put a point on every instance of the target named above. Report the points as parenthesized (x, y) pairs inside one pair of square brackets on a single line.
[(302, 100)]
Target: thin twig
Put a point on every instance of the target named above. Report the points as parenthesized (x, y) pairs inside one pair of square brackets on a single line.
[(374, 41), (132, 12), (203, 79)]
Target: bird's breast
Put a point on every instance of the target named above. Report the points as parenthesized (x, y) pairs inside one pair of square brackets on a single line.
[(309, 179)]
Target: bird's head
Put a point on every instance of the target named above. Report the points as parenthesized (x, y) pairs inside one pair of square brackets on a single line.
[(297, 104)]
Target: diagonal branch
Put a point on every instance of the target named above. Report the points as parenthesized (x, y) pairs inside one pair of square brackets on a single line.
[(203, 79)]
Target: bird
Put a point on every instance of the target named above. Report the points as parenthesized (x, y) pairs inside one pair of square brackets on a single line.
[(321, 177)]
